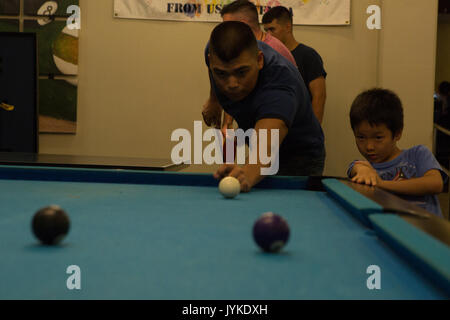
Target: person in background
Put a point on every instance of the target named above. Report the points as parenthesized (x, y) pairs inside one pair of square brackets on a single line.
[(278, 22), (442, 118), (442, 104)]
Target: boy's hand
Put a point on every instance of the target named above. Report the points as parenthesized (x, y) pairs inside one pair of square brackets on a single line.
[(365, 174)]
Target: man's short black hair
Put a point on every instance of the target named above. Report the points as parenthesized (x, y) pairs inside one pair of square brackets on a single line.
[(241, 6), (282, 14), (229, 39), (378, 106)]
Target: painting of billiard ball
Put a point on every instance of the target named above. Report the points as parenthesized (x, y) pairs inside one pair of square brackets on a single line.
[(56, 8), (58, 47), (10, 7), (57, 106), (65, 52)]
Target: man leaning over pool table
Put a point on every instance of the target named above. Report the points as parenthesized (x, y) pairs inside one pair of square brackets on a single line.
[(262, 90)]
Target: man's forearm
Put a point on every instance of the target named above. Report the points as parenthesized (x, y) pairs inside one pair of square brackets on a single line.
[(318, 105), (318, 90), (227, 120), (212, 110), (253, 173)]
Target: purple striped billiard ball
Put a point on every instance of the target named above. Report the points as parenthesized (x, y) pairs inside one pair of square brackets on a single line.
[(271, 232)]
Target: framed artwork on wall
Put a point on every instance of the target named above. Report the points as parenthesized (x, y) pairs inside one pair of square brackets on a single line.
[(57, 57)]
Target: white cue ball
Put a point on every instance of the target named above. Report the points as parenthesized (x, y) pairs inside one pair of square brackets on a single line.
[(229, 187)]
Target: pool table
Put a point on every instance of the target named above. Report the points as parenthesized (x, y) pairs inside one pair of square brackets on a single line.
[(144, 234)]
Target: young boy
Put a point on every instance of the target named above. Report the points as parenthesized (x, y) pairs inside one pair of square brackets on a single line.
[(376, 117)]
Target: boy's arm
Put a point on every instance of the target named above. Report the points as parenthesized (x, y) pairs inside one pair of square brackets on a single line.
[(430, 183), (250, 174)]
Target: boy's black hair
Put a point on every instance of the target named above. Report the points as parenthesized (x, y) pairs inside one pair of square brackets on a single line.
[(229, 39), (378, 106), (239, 6), (280, 13)]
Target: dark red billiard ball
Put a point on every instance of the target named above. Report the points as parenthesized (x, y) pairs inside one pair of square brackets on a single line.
[(271, 232), (50, 224)]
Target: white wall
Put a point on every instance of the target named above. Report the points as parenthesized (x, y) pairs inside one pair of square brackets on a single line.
[(408, 57)]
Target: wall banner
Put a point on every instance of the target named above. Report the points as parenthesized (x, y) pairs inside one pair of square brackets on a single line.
[(305, 12)]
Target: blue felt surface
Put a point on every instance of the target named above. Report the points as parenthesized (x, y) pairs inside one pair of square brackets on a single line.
[(421, 249), (133, 177), (358, 205), (137, 241)]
